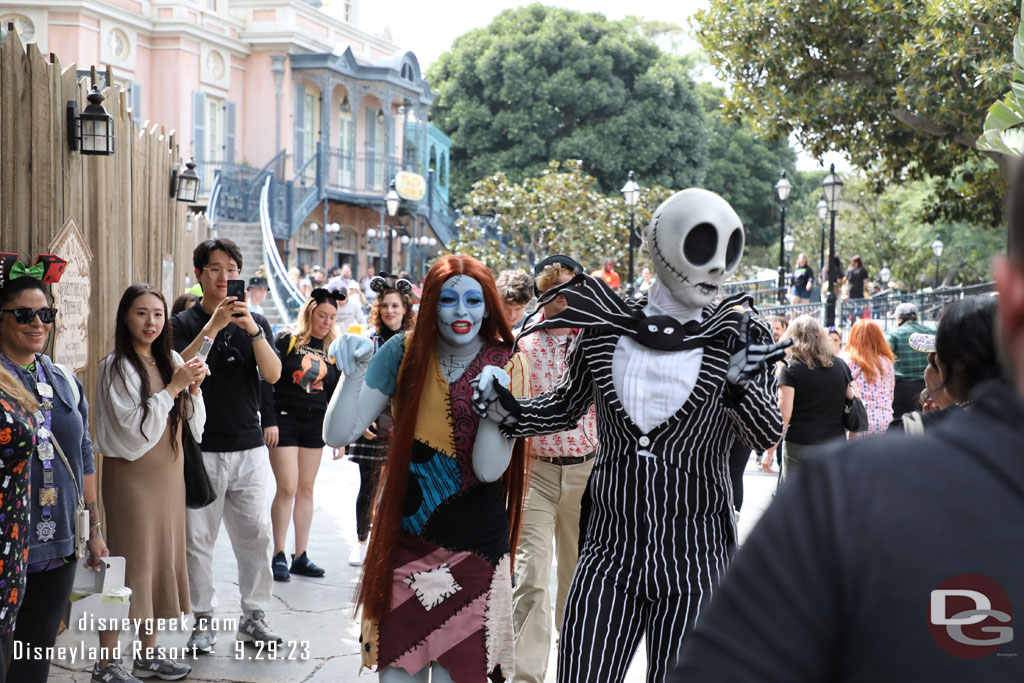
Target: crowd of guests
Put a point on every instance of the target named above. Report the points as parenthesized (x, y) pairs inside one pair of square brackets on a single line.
[(263, 405)]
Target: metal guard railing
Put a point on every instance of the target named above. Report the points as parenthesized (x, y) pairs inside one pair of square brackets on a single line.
[(285, 295)]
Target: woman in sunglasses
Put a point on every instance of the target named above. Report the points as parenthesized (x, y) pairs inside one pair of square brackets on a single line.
[(63, 419), (308, 379), (391, 313)]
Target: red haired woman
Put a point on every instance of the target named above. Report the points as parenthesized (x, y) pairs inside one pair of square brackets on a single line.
[(436, 592), (871, 364)]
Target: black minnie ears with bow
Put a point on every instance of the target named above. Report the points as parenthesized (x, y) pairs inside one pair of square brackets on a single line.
[(384, 282), (48, 268)]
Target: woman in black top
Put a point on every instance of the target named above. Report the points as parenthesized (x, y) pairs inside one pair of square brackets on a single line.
[(856, 276), (802, 281), (812, 391), (391, 313), (308, 379)]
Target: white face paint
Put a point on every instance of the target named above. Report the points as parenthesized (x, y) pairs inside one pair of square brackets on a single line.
[(460, 310), (695, 241)]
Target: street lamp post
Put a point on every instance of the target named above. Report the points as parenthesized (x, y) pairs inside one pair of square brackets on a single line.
[(884, 275), (789, 242), (822, 208), (391, 200), (783, 188), (937, 248), (631, 195), (831, 187)]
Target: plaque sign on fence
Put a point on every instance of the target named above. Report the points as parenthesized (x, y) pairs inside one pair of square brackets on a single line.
[(71, 297)]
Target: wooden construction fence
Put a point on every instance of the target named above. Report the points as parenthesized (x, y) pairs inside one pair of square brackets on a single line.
[(134, 229)]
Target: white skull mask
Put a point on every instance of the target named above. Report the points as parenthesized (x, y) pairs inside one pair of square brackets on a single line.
[(696, 241)]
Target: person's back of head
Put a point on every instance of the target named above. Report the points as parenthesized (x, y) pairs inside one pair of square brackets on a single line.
[(905, 313), (965, 345), (867, 347), (810, 343)]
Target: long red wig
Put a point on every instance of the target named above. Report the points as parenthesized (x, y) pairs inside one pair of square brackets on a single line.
[(374, 594), (867, 347)]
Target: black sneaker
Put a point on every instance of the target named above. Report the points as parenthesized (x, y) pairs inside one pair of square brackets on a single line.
[(303, 566), (280, 567)]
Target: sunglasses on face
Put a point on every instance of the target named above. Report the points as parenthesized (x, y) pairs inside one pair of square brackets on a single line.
[(25, 315)]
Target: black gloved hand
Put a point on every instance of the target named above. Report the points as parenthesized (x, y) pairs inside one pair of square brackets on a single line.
[(749, 359)]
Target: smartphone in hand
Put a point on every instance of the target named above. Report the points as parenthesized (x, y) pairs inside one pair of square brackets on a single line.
[(236, 288)]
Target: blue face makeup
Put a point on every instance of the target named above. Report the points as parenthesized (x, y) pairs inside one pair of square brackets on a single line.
[(460, 309)]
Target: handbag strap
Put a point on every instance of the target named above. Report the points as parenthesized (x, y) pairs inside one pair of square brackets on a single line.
[(74, 480)]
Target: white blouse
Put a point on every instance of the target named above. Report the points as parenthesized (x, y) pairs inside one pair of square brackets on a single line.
[(118, 412), (653, 385)]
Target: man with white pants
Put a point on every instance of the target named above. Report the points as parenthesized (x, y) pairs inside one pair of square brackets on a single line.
[(234, 452), (559, 474)]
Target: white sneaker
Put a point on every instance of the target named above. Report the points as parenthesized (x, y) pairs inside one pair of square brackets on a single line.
[(358, 555)]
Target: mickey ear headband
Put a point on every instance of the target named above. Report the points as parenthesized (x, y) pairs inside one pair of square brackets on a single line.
[(384, 282), (48, 268), (560, 259)]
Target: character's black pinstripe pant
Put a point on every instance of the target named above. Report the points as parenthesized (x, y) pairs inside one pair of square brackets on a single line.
[(657, 542)]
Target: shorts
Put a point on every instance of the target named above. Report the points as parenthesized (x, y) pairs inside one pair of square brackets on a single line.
[(300, 427)]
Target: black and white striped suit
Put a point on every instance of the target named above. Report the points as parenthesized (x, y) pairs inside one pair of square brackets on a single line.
[(660, 529)]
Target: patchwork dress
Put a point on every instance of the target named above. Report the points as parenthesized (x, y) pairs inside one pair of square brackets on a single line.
[(452, 582)]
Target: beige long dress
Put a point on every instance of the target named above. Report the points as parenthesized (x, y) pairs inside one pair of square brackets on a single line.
[(144, 501)]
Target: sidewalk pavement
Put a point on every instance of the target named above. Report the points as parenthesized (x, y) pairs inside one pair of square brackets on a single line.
[(315, 616)]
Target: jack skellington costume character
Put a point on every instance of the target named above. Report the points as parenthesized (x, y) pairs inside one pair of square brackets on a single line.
[(675, 379)]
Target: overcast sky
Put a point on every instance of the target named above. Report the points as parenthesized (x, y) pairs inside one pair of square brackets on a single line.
[(430, 28)]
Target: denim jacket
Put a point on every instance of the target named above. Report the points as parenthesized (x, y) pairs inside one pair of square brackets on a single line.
[(71, 429)]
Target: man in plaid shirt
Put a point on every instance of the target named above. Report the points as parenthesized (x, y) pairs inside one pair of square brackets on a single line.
[(910, 365)]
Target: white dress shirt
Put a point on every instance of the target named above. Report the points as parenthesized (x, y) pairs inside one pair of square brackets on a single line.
[(653, 385)]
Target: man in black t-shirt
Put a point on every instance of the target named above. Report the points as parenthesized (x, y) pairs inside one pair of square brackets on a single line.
[(234, 453)]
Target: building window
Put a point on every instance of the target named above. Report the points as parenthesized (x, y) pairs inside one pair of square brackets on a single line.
[(211, 5), (310, 113), (345, 145), (347, 11), (24, 26), (120, 48), (216, 130), (214, 66)]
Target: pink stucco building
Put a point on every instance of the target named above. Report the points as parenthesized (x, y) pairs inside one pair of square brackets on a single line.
[(289, 90)]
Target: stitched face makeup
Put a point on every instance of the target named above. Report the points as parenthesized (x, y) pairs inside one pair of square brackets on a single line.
[(696, 241), (460, 309)]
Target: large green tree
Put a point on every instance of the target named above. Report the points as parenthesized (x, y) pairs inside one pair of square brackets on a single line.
[(744, 168), (514, 225), (901, 86), (542, 83)]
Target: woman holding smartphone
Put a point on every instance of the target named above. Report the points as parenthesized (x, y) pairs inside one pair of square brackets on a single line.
[(144, 394), (308, 379)]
